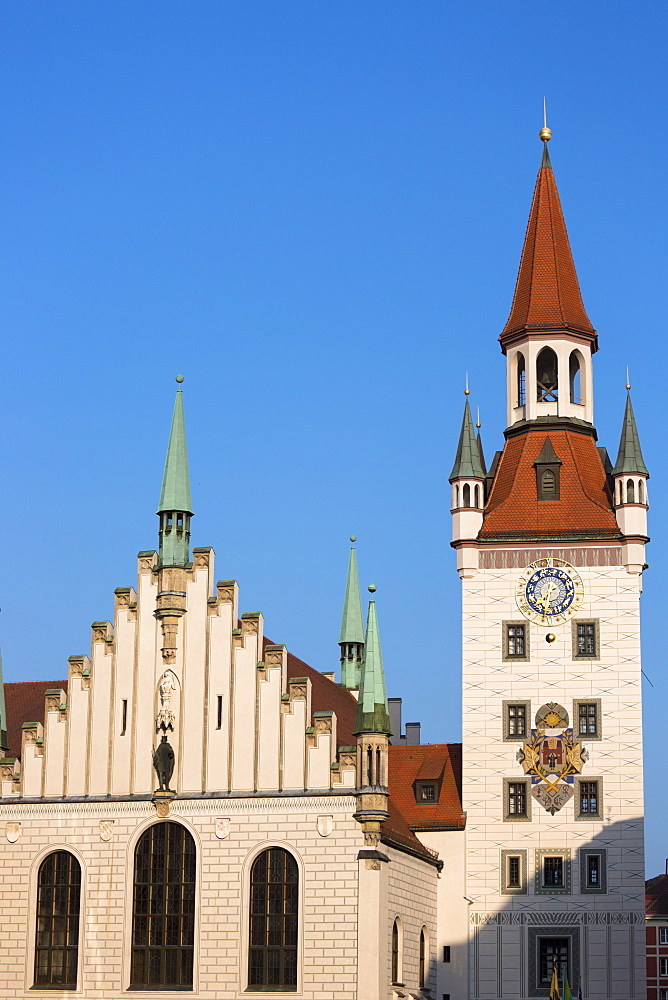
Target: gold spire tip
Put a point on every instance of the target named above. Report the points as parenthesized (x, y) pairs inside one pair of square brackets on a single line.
[(372, 588), (180, 378), (478, 424), (353, 538), (628, 381), (545, 133), (467, 391)]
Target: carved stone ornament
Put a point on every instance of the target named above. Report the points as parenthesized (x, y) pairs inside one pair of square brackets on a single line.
[(222, 826), (325, 825), (372, 865), (12, 832), (106, 830), (163, 762), (165, 719), (162, 808), (371, 838)]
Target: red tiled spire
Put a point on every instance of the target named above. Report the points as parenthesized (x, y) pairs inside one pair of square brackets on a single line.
[(547, 293)]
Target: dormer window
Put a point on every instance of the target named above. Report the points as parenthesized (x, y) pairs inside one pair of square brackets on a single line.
[(547, 467), (426, 792)]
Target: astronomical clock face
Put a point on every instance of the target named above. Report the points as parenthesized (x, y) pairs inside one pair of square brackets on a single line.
[(549, 592)]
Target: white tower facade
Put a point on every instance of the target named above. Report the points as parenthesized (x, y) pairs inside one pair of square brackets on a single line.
[(552, 739)]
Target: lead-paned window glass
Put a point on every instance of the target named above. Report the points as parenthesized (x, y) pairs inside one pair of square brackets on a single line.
[(517, 720), (588, 718), (514, 872), (586, 638), (163, 911), (552, 953), (57, 933), (517, 798), (553, 871), (593, 871), (663, 967), (274, 914), (588, 798), (516, 640), (663, 935)]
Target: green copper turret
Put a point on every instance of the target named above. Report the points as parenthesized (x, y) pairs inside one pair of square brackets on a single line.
[(629, 456), (351, 639), (175, 508), (373, 715), (469, 463)]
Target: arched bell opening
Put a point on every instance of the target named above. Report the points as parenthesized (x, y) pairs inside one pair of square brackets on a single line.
[(476, 497), (466, 495), (575, 377), (630, 491), (547, 383), (521, 379)]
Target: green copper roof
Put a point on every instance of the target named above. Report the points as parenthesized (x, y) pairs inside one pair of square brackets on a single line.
[(467, 461), (175, 493), (545, 159), (629, 456), (352, 628), (373, 714), (481, 452)]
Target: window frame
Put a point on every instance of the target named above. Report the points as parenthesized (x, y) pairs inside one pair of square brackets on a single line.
[(505, 888), (509, 737), (596, 655), (583, 780), (589, 737), (513, 658), (262, 989), (534, 935), (509, 817), (397, 969), (31, 952), (663, 966), (419, 788), (540, 888), (602, 888), (663, 935)]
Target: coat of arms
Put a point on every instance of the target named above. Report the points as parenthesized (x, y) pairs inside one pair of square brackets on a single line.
[(551, 758)]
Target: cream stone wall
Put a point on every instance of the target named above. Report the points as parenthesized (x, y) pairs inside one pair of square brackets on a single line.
[(608, 927), (453, 912)]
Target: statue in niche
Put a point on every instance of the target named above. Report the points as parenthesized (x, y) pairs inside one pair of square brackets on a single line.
[(163, 762), (166, 717)]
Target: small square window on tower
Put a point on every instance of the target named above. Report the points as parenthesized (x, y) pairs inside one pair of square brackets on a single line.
[(513, 869), (516, 720), (585, 639), (588, 796), (587, 719), (593, 871), (517, 801), (553, 871), (515, 640)]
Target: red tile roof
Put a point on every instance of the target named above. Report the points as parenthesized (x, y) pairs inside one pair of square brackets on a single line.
[(547, 293), (24, 702), (656, 896), (440, 761), (584, 508)]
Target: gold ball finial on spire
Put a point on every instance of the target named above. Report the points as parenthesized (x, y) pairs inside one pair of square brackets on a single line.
[(628, 380), (467, 391), (179, 379), (372, 588), (545, 133)]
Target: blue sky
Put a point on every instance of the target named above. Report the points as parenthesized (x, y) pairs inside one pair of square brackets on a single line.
[(315, 211)]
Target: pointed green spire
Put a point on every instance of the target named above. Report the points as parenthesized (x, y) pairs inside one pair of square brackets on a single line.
[(468, 463), (629, 456), (351, 639), (373, 715), (175, 508)]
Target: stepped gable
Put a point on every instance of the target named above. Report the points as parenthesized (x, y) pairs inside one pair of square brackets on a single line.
[(547, 294), (438, 761), (24, 702), (513, 509)]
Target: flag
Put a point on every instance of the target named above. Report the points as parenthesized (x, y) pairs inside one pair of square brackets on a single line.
[(554, 984), (567, 990)]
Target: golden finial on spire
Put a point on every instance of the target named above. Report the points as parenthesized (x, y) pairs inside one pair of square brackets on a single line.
[(467, 391), (628, 384), (478, 424), (545, 133)]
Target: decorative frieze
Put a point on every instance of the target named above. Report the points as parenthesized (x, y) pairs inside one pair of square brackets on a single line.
[(519, 558)]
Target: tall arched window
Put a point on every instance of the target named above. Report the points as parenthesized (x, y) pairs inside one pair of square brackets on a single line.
[(641, 492), (57, 936), (547, 387), (621, 491), (422, 971), (476, 497), (274, 916), (630, 492), (396, 952), (456, 496), (163, 910), (575, 377), (521, 380), (466, 498)]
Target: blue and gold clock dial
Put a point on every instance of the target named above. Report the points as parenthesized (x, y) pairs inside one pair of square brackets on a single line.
[(549, 591)]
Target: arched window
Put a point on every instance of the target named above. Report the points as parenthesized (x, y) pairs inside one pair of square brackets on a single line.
[(467, 495), (575, 377), (621, 492), (396, 952), (57, 936), (422, 967), (272, 955), (476, 497), (163, 909), (630, 492), (521, 380), (641, 491), (456, 496), (547, 388)]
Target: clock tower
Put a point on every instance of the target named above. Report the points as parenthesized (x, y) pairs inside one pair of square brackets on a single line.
[(550, 550)]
